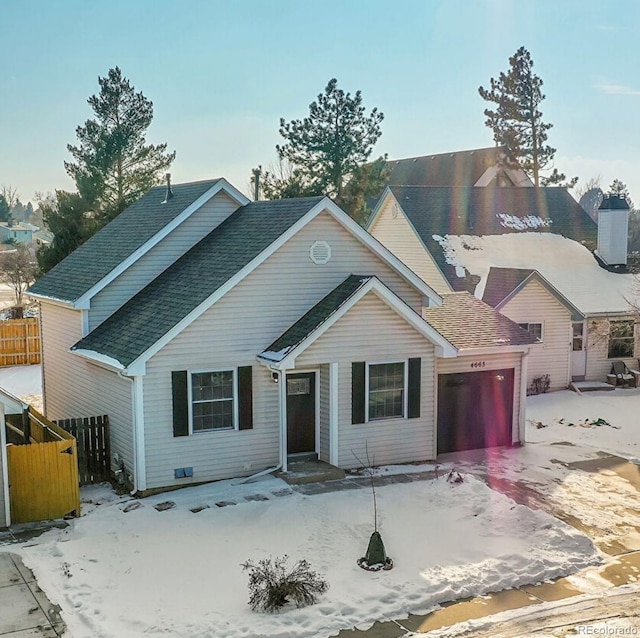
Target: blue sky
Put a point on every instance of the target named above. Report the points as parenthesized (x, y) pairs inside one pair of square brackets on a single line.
[(221, 73)]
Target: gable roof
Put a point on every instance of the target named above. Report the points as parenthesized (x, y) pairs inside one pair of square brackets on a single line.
[(503, 284), (131, 233), (469, 323), (282, 352), (462, 168), (194, 277), (435, 212)]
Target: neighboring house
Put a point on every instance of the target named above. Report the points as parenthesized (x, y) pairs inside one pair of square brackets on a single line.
[(489, 241), (478, 167), (223, 336), (19, 232)]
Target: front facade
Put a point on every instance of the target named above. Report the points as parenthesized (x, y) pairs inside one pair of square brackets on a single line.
[(238, 335)]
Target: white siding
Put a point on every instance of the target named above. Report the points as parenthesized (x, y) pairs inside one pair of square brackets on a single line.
[(399, 237), (492, 362), (373, 332), (598, 362), (324, 413), (168, 250), (535, 304), (73, 387), (3, 470), (231, 333)]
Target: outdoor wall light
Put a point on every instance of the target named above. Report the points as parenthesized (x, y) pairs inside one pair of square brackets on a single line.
[(275, 377)]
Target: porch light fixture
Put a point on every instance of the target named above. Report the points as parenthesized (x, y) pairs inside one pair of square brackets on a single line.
[(275, 377)]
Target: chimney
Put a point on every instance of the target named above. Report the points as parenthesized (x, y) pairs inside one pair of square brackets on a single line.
[(613, 228), (169, 194)]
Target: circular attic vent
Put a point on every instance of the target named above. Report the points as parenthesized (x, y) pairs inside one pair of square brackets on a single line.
[(320, 252)]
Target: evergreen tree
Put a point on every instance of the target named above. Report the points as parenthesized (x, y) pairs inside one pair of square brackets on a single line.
[(517, 122), (71, 220), (113, 164), (5, 210), (326, 151)]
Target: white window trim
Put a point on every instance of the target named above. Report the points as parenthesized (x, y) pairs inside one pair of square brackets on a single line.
[(236, 420), (633, 343), (405, 397), (528, 323)]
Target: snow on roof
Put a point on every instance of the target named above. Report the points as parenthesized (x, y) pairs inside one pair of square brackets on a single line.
[(565, 263)]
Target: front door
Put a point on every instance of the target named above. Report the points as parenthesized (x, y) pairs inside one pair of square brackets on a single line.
[(578, 352), (301, 413)]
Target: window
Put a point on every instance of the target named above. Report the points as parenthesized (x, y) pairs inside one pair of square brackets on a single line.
[(620, 339), (212, 400), (386, 390), (534, 328)]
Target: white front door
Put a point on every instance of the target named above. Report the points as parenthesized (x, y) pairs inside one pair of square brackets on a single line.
[(578, 351)]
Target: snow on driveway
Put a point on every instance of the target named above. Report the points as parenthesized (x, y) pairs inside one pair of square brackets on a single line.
[(177, 573)]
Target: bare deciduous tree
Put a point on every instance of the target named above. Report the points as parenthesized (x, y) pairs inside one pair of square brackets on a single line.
[(18, 270)]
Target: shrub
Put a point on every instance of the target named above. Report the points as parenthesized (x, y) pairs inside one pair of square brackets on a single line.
[(539, 385), (271, 586)]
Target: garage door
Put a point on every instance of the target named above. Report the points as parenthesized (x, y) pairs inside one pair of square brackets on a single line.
[(475, 410)]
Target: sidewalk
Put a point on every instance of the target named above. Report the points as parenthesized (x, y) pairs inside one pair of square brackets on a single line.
[(26, 611)]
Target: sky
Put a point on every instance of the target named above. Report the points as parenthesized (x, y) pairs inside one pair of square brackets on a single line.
[(221, 74)]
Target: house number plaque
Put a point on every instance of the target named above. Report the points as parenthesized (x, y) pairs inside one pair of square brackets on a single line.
[(478, 364)]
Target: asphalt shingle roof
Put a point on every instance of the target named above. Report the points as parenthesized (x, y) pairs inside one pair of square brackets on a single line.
[(99, 255), (148, 316), (462, 168), (467, 322), (313, 319), (501, 282), (440, 211)]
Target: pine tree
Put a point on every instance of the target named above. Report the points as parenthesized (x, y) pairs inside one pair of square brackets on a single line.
[(326, 150), (517, 122), (5, 210), (113, 164)]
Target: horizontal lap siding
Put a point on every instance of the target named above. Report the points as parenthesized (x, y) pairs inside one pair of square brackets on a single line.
[(598, 362), (491, 362), (534, 304), (148, 267), (399, 237), (324, 412), (3, 459), (373, 332), (231, 333), (73, 387)]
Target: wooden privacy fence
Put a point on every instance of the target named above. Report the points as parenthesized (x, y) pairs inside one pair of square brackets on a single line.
[(43, 471), (20, 342), (92, 435)]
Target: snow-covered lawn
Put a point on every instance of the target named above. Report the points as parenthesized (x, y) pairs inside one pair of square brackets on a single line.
[(568, 416), (177, 573)]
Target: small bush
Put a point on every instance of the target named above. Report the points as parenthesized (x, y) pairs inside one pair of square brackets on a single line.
[(539, 385), (271, 586)]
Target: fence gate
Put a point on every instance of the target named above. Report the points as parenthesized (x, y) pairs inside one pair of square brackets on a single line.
[(92, 435), (43, 474), (20, 342)]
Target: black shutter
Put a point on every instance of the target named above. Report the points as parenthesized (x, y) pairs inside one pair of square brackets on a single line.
[(245, 397), (357, 392), (413, 403), (180, 403)]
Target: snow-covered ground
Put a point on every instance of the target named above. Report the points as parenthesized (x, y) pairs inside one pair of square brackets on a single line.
[(178, 572)]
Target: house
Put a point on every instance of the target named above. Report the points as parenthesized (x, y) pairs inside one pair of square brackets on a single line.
[(20, 232), (477, 167), (535, 255), (223, 336)]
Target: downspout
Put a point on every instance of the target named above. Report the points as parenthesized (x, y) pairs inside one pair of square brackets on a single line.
[(523, 398), (139, 482), (282, 413)]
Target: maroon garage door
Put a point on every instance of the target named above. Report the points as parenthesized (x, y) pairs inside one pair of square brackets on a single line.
[(475, 410)]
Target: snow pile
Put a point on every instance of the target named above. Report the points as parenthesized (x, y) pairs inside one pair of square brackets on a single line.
[(177, 573), (526, 222), (565, 263)]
